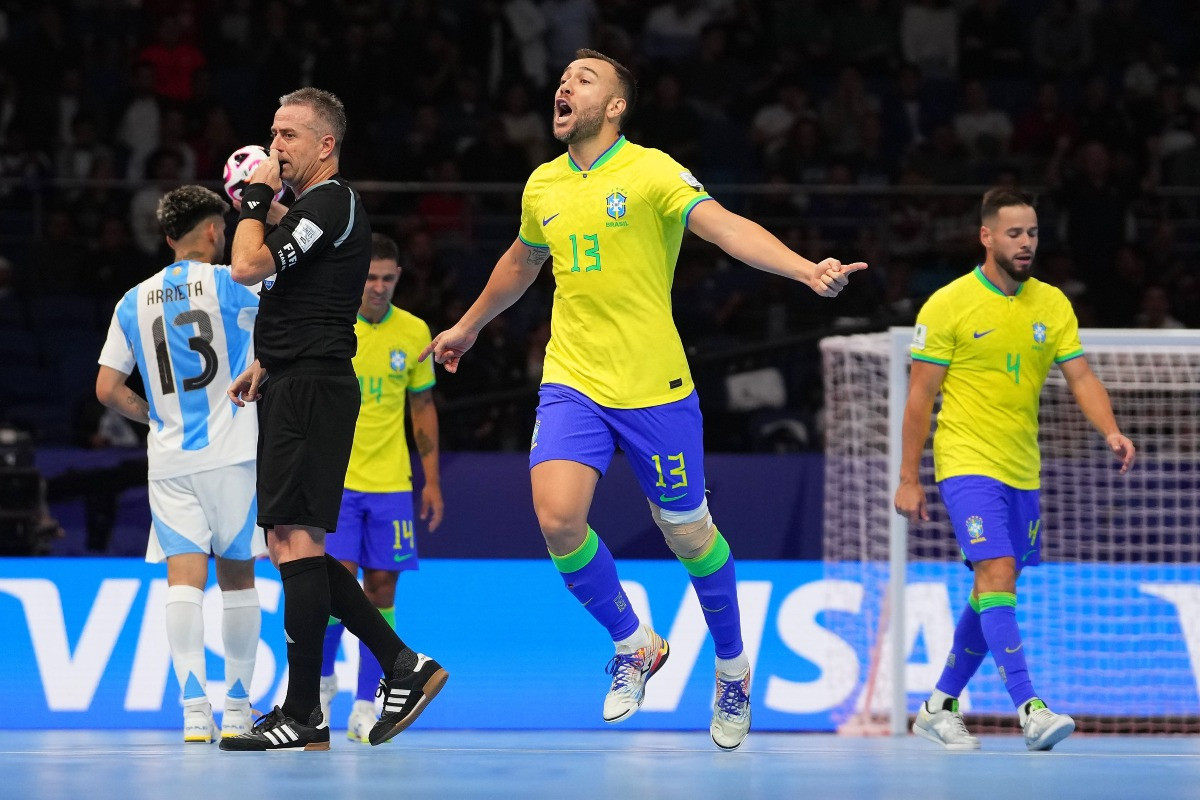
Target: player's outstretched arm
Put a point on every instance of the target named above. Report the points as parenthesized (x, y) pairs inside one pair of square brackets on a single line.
[(425, 435), (751, 243), (924, 382), (1093, 400), (512, 275), (112, 392)]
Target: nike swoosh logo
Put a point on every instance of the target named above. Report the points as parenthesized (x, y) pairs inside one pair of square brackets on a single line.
[(403, 557), (546, 221), (662, 498), (971, 652), (1015, 649), (979, 335), (590, 599), (714, 610)]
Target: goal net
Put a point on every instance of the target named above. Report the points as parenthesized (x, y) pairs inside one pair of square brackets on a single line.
[(1110, 619)]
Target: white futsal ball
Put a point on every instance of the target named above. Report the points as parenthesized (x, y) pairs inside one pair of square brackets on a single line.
[(238, 167)]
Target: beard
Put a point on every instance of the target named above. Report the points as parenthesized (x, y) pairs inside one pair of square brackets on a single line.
[(1018, 274), (587, 124)]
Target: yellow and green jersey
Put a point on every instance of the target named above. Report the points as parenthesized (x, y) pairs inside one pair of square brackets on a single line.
[(998, 350), (387, 369), (613, 232)]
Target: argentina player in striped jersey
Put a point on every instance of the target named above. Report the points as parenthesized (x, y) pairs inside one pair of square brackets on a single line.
[(188, 328)]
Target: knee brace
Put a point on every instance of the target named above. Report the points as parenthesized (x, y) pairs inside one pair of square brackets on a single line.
[(689, 534)]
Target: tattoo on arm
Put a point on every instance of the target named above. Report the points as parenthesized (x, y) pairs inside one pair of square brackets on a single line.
[(418, 400), (425, 445), (536, 256), (138, 408)]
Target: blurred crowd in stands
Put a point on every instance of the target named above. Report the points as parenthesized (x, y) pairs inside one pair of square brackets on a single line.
[(842, 125)]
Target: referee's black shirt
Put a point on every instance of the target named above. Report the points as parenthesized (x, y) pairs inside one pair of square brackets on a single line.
[(322, 252)]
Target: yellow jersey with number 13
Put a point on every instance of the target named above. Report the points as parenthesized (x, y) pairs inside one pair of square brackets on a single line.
[(613, 231), (998, 350), (387, 368)]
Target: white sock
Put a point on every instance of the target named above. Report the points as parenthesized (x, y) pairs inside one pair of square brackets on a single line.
[(241, 622), (937, 700), (635, 641), (185, 636), (732, 669)]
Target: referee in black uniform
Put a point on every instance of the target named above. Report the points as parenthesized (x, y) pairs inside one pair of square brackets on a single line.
[(312, 260)]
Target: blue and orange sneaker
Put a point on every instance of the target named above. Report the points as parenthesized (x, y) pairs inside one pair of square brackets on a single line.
[(630, 671)]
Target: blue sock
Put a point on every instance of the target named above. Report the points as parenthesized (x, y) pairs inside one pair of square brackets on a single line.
[(713, 577), (998, 619), (591, 575), (967, 652), (369, 671), (333, 637)]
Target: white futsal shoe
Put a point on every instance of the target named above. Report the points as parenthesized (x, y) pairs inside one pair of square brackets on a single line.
[(731, 712), (236, 720), (1043, 728), (944, 726), (198, 724), (329, 690), (630, 670), (362, 719)]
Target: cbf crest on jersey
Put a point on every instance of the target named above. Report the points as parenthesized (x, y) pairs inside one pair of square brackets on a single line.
[(398, 360), (615, 204), (1039, 332), (975, 529)]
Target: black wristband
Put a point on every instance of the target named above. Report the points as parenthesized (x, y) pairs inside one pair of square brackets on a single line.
[(256, 202)]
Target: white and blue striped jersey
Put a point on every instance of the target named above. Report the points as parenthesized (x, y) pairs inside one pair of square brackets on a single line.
[(189, 328)]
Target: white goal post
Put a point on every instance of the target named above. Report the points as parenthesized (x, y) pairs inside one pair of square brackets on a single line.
[(1111, 618)]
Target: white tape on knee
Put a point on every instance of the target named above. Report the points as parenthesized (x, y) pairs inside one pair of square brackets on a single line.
[(689, 534)]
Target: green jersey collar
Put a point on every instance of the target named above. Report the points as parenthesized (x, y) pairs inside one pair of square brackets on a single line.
[(387, 314), (604, 158), (991, 287)]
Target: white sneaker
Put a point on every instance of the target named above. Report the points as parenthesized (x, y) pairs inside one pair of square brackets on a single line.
[(630, 672), (731, 712), (945, 727), (198, 724), (362, 719), (236, 720), (329, 690), (1043, 728)]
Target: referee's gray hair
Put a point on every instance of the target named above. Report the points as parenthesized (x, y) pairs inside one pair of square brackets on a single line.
[(327, 107), (181, 210)]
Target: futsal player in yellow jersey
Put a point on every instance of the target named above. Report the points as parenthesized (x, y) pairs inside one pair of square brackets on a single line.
[(375, 523), (987, 341), (612, 215)]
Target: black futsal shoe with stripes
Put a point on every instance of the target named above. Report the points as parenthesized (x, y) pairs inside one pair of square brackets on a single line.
[(278, 731), (405, 696)]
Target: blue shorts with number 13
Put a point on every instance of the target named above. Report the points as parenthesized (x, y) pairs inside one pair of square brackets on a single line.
[(664, 444)]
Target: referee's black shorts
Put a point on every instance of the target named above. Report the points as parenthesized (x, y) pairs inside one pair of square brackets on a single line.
[(306, 419)]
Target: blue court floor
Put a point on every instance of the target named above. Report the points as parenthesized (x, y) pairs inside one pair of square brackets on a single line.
[(130, 765)]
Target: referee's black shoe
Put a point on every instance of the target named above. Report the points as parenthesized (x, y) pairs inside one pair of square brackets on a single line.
[(406, 695), (277, 731)]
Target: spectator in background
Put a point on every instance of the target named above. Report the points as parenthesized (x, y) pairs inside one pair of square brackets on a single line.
[(522, 126), (1040, 128), (1146, 74), (672, 30), (173, 60), (1120, 31), (164, 166), (773, 122), (803, 159), (843, 112), (983, 130), (570, 25), (991, 41), (81, 150), (528, 25), (668, 122), (1060, 43), (1103, 118), (717, 77), (865, 37), (1155, 310), (805, 25), (139, 126), (942, 157), (929, 37)]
